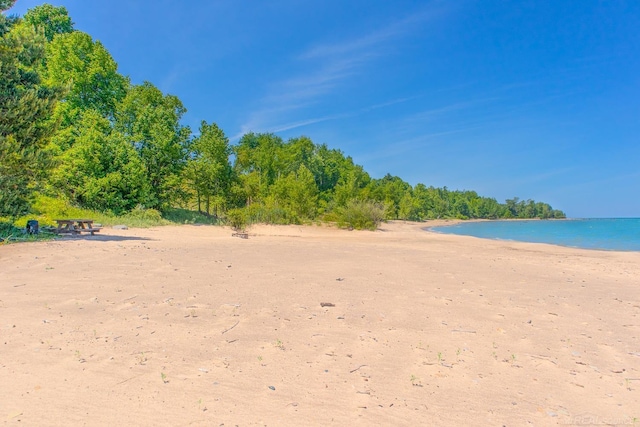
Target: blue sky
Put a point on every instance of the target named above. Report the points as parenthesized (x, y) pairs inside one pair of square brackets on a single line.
[(537, 99)]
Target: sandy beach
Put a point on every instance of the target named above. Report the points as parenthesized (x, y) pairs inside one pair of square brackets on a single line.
[(311, 325)]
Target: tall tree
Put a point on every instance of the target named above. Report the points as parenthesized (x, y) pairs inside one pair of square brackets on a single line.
[(297, 194), (102, 170), (151, 121), (351, 184), (6, 22), (331, 164), (53, 20), (6, 5), (260, 154), (25, 106), (87, 68), (297, 152), (208, 168), (390, 190)]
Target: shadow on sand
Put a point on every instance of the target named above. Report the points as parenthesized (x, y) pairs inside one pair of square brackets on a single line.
[(104, 238)]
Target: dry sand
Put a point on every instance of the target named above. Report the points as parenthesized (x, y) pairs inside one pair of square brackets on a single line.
[(190, 326)]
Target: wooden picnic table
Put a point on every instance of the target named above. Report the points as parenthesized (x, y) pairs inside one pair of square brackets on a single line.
[(76, 226)]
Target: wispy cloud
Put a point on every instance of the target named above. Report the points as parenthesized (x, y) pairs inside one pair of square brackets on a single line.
[(451, 108), (414, 145), (281, 127), (293, 125), (368, 42), (389, 103), (322, 69)]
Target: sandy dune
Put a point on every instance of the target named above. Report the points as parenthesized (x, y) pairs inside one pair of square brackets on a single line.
[(191, 326)]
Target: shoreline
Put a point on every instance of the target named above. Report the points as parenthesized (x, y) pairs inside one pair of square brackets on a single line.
[(187, 324)]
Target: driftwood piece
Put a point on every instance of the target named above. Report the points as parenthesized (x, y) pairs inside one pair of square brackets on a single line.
[(227, 330)]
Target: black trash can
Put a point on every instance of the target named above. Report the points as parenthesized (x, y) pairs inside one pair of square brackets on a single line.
[(33, 227)]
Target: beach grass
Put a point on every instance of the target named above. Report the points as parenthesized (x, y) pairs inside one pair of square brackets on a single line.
[(46, 210)]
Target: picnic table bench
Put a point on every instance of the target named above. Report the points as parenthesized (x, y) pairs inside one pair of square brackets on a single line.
[(76, 226)]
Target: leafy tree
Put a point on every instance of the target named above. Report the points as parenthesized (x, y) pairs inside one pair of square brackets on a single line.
[(350, 185), (431, 202), (389, 190), (488, 208), (421, 203), (208, 169), (331, 165), (87, 68), (260, 155), (150, 120), (297, 152), (102, 170), (25, 105), (410, 208), (6, 22), (512, 208), (246, 190), (53, 20), (297, 194), (6, 5)]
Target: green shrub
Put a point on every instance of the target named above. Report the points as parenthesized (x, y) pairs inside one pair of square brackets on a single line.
[(7, 230), (360, 214), (46, 210), (141, 217), (140, 212), (269, 212), (186, 216), (237, 219), (10, 232)]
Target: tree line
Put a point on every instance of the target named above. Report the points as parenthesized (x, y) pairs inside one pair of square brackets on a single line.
[(72, 126)]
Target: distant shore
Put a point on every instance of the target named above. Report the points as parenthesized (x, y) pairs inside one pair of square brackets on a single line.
[(296, 325)]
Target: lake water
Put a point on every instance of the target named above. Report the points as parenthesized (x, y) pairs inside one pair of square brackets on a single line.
[(609, 234)]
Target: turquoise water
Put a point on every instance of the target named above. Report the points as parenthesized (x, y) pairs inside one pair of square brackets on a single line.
[(609, 234)]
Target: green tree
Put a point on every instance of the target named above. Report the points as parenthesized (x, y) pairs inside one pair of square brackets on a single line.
[(53, 20), (6, 5), (260, 155), (89, 71), (102, 170), (409, 208), (489, 208), (25, 105), (297, 152), (389, 190), (331, 164), (6, 22), (350, 185), (297, 193), (150, 120), (208, 168)]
